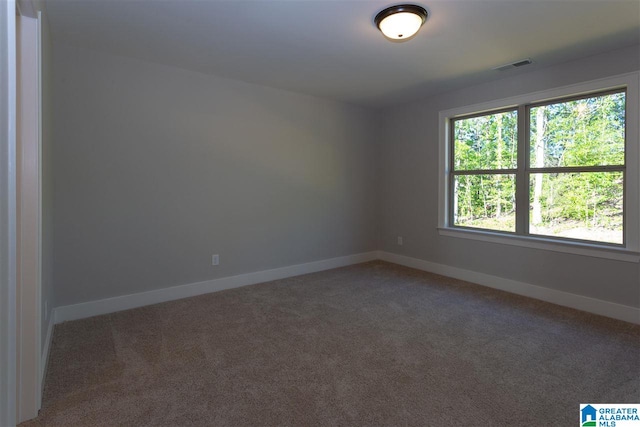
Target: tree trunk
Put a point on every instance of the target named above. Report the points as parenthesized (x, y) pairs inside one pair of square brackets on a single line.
[(484, 198), (455, 201), (539, 150), (469, 196), (499, 166)]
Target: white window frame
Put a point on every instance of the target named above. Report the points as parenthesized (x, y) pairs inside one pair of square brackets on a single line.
[(631, 251)]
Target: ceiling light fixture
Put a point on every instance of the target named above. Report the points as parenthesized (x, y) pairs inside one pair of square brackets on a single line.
[(401, 22)]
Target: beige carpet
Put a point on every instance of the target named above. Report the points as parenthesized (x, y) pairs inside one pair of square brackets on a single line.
[(372, 344)]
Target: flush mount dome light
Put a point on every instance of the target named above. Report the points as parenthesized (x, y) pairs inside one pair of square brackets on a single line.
[(401, 22)]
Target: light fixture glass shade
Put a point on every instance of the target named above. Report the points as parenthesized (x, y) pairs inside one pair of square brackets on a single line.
[(401, 22), (400, 25)]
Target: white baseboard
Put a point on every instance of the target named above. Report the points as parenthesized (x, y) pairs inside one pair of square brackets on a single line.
[(125, 302), (591, 305)]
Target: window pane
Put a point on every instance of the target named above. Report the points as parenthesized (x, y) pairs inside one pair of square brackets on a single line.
[(586, 205), (485, 201), (486, 142), (584, 132)]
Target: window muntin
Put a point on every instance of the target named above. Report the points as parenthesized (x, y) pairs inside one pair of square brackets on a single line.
[(575, 149)]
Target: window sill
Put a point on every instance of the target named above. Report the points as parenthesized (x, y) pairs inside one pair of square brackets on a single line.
[(575, 248)]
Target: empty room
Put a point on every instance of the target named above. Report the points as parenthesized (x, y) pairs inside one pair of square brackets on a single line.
[(319, 213)]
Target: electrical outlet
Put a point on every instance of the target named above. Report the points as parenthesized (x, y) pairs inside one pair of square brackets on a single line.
[(400, 241), (215, 259)]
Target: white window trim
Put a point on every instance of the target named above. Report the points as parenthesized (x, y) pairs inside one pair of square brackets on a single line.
[(630, 253)]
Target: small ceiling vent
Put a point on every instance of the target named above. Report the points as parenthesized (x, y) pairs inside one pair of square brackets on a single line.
[(516, 64)]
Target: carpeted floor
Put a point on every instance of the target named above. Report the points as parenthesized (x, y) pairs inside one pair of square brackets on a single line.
[(372, 344)]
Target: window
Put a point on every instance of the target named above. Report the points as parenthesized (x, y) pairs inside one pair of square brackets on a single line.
[(483, 170), (559, 167), (576, 168)]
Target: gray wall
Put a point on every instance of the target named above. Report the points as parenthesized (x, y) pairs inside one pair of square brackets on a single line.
[(157, 168), (409, 194)]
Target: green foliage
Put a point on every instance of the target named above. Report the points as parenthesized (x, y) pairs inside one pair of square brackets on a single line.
[(486, 142), (585, 132), (594, 198), (485, 196)]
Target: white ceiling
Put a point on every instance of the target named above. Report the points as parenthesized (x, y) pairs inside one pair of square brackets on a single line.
[(331, 48)]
